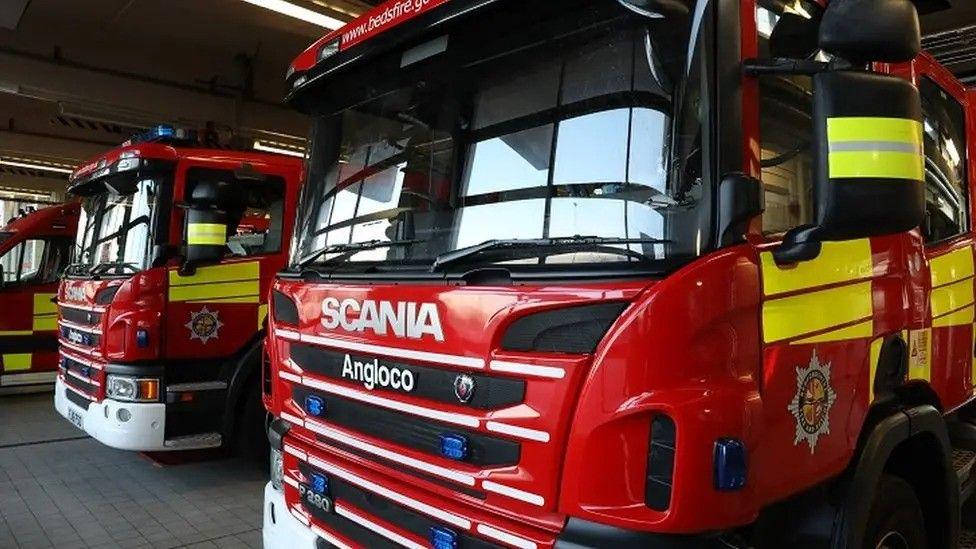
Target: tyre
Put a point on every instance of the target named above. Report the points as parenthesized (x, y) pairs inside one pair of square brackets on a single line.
[(252, 436), (896, 520)]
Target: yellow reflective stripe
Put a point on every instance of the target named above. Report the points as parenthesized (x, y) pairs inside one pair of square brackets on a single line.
[(961, 317), (16, 333), (249, 299), (206, 234), (838, 262), (215, 291), (16, 362), (853, 128), (218, 273), (857, 331), (262, 314), (951, 267), (952, 297), (43, 304), (877, 164), (795, 316), (45, 323)]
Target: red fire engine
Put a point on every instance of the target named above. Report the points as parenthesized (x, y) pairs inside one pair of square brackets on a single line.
[(162, 314), (626, 273), (34, 249)]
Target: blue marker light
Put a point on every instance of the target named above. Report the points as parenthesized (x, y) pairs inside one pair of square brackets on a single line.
[(454, 446), (730, 464), (442, 538), (142, 338), (320, 484), (314, 405)]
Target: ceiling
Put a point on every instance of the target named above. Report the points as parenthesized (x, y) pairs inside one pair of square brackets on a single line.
[(950, 35)]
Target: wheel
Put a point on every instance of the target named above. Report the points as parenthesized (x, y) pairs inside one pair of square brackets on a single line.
[(896, 520), (252, 436)]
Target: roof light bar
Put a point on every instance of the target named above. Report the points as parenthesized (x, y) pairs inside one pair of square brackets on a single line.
[(298, 12), (264, 147), (34, 166)]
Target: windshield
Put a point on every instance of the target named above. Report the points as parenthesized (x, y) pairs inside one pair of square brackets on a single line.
[(115, 227), (474, 137)]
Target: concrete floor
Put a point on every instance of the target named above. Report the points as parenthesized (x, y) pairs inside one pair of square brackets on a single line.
[(59, 488)]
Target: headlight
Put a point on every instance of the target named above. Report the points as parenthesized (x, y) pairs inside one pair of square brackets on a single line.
[(132, 389), (277, 469)]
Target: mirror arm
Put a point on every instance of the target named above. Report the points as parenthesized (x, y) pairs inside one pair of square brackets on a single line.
[(786, 66), (800, 244)]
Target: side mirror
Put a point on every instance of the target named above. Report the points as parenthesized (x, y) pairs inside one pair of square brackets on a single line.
[(865, 31), (741, 198)]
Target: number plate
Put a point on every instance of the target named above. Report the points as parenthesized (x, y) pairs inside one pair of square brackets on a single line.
[(76, 419)]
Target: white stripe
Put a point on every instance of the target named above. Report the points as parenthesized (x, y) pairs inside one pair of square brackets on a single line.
[(294, 419), (301, 518), (82, 361), (79, 327), (81, 307), (83, 378), (329, 537), (76, 348), (28, 379), (76, 391), (505, 537), (296, 452), (457, 419), (291, 364), (520, 432), (515, 493), (396, 352), (396, 457), (290, 482), (370, 525), (527, 369), (290, 377), (287, 334), (460, 522)]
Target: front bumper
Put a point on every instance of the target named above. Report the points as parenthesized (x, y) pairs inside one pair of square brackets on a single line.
[(282, 530), (143, 431)]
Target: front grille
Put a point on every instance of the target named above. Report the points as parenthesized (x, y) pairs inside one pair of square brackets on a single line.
[(77, 399), (69, 364), (79, 337), (412, 432), (78, 316), (432, 384), (344, 494)]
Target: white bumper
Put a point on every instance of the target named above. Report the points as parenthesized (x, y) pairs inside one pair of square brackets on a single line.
[(144, 431), (281, 529)]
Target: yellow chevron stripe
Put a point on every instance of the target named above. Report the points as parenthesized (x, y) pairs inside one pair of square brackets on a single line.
[(43, 304), (951, 297), (795, 316), (16, 333), (262, 314), (218, 273), (951, 267), (958, 318), (45, 323), (247, 299), (17, 362), (838, 262), (857, 331)]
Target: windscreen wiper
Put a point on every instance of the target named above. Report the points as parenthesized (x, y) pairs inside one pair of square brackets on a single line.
[(592, 243), (101, 268), (348, 250)]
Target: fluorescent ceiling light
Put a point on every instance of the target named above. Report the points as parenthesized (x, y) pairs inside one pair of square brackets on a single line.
[(33, 166), (259, 146), (298, 12)]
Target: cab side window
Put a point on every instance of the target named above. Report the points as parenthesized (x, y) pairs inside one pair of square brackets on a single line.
[(10, 264), (946, 173), (786, 130), (35, 261), (255, 218)]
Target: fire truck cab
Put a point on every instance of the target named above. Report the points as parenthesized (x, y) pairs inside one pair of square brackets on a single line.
[(34, 250), (162, 314), (626, 273)]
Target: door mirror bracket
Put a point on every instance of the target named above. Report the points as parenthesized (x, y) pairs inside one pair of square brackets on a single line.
[(799, 244)]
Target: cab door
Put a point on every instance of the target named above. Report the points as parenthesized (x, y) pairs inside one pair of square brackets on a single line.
[(28, 325), (942, 353)]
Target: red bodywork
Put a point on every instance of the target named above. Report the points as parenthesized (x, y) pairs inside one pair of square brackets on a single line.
[(28, 323), (693, 346), (141, 301)]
